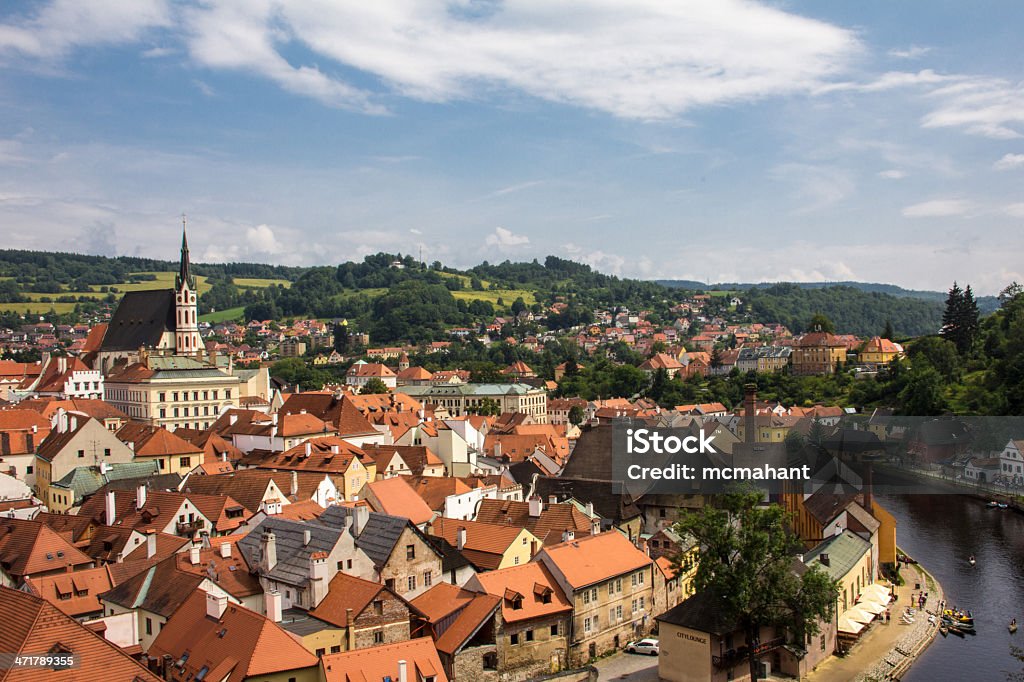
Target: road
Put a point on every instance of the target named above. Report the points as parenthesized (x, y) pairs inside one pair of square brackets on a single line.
[(628, 668)]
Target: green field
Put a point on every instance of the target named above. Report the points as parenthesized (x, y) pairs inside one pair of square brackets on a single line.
[(164, 280), (228, 314), (35, 296), (506, 295), (256, 283)]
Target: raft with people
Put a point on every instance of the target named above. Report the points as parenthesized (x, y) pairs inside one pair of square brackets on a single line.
[(957, 620)]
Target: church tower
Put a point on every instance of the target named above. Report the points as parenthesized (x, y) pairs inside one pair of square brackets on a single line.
[(186, 331)]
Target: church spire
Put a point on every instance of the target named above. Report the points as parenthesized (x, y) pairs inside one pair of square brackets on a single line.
[(184, 274)]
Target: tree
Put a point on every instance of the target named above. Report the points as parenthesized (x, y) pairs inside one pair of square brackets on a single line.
[(924, 394), (576, 415), (746, 559), (888, 332), (816, 433), (373, 387), (960, 320), (716, 358), (820, 323)]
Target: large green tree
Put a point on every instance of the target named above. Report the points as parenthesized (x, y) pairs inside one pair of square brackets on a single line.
[(746, 561), (960, 319)]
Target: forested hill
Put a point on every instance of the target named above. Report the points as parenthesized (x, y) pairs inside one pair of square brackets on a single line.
[(986, 304), (851, 310), (395, 297)]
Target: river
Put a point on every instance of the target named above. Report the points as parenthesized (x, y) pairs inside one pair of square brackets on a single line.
[(942, 532)]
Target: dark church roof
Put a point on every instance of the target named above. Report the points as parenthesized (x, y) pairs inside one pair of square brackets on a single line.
[(140, 320)]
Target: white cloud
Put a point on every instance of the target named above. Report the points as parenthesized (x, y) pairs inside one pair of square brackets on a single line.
[(892, 174), (1009, 161), (63, 25), (912, 52), (644, 59), (989, 107), (937, 208), (609, 263), (504, 239), (413, 230), (891, 81), (1014, 210), (815, 186)]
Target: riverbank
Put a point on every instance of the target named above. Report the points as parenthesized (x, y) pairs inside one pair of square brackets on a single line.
[(887, 650)]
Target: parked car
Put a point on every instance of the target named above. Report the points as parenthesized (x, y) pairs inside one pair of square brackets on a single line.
[(644, 646)]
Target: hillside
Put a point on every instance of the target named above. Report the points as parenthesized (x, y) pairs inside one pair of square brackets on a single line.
[(394, 297), (986, 304)]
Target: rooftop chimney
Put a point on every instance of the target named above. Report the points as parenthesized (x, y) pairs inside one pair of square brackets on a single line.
[(461, 542), (109, 507), (318, 577), (295, 484), (590, 509), (536, 507), (309, 448), (824, 559), (150, 543), (272, 605), (268, 545), (750, 413), (361, 514), (225, 550), (403, 675), (335, 449), (140, 496), (193, 554), (306, 537), (215, 606)]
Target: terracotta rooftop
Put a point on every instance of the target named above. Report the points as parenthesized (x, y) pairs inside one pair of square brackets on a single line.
[(348, 592), (527, 591), (396, 497), (455, 614), (596, 558), (31, 547), (381, 662), (155, 441), (486, 543), (240, 645), (554, 519), (33, 626)]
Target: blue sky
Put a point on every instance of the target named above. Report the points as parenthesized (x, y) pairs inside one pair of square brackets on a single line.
[(720, 140)]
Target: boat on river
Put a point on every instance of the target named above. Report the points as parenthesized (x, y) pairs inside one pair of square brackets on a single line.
[(972, 560)]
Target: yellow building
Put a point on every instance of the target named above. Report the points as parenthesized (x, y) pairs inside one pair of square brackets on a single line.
[(846, 558), (610, 584), (818, 353), (488, 546), (172, 391), (879, 351)]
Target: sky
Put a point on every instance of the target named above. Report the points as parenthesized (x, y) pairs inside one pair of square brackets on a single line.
[(716, 140)]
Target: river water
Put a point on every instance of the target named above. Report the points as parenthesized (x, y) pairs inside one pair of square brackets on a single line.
[(942, 532)]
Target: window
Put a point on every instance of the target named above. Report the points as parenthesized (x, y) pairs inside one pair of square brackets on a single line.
[(529, 635), (641, 603), (81, 453), (514, 638), (586, 597), (175, 396), (640, 578), (428, 579), (611, 615), (516, 561), (593, 594), (106, 452), (661, 512), (412, 582), (227, 393), (320, 652), (618, 612), (186, 462), (378, 607), (162, 397), (524, 541), (389, 583), (28, 470), (554, 630), (378, 637), (163, 412), (349, 563), (149, 626), (336, 649), (410, 552)]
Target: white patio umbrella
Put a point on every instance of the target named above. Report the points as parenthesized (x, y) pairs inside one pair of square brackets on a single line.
[(850, 627), (858, 614)]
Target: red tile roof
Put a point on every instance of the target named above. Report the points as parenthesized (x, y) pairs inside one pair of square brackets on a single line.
[(33, 626), (239, 645), (455, 614), (596, 558), (530, 586), (394, 496), (31, 547), (381, 662)]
